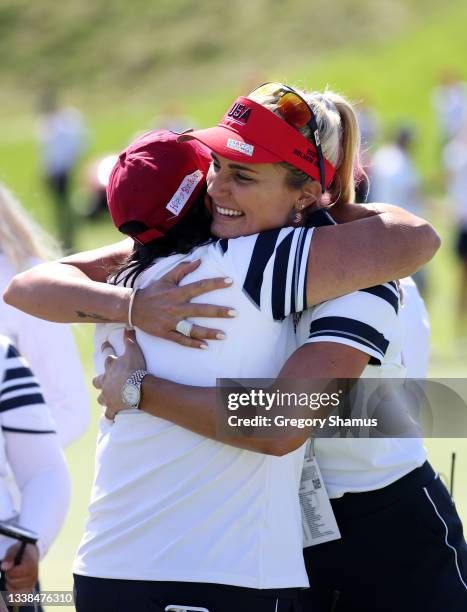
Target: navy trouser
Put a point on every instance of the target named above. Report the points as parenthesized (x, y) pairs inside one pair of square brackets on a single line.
[(402, 550), (105, 595)]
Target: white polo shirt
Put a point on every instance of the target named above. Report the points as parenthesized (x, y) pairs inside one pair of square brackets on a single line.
[(29, 447), (370, 320), (168, 504)]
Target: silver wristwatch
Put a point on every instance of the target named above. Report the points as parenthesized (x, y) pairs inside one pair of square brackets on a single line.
[(131, 391)]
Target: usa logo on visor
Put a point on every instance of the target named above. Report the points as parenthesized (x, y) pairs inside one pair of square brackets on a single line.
[(239, 113)]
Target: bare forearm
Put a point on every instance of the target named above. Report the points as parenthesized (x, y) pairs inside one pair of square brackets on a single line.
[(389, 245), (74, 289), (194, 408), (62, 293), (406, 242)]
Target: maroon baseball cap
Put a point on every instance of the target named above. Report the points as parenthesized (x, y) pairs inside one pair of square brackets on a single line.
[(154, 182)]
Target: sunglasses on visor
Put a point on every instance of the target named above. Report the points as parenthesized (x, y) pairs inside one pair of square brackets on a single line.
[(295, 110)]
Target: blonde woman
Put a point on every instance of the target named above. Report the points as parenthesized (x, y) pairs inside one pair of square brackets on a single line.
[(49, 348)]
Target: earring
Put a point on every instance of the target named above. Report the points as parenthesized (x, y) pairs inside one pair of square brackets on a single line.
[(298, 217)]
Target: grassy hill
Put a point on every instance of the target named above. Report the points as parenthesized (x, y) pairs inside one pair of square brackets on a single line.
[(124, 63), (133, 50)]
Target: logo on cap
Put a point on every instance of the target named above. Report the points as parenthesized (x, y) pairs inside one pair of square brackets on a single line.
[(239, 113), (309, 156), (241, 147), (183, 193)]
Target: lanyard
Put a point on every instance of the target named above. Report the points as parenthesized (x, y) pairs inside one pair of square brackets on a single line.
[(310, 451)]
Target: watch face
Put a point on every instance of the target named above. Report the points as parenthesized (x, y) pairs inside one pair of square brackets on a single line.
[(130, 394)]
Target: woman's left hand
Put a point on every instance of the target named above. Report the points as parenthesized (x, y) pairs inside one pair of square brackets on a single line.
[(117, 372)]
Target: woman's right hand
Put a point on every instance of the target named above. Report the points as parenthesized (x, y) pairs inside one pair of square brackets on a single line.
[(159, 307), (23, 577)]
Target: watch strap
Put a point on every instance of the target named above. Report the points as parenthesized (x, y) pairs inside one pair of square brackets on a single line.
[(136, 377), (135, 380)]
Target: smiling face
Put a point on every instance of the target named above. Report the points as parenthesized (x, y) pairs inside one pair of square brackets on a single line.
[(248, 198)]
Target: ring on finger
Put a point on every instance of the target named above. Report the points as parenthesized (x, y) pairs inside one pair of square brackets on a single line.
[(184, 327)]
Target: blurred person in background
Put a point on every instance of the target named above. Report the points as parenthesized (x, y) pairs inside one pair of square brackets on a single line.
[(49, 347), (450, 103), (62, 139), (30, 448), (395, 178), (96, 175), (368, 122), (455, 165)]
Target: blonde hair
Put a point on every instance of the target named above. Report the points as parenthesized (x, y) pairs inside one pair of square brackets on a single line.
[(340, 140), (21, 238)]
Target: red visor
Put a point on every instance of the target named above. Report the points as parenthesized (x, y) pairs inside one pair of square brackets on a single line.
[(250, 133)]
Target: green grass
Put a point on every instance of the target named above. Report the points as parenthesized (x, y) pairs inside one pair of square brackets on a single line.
[(172, 46), (114, 59)]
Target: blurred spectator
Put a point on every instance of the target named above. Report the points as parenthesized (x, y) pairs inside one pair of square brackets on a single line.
[(455, 163), (450, 103), (62, 137), (394, 178), (368, 122), (30, 448), (97, 175), (49, 347)]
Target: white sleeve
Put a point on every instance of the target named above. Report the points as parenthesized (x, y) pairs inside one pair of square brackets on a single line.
[(52, 354), (365, 320), (22, 406), (32, 449), (41, 475), (271, 267)]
